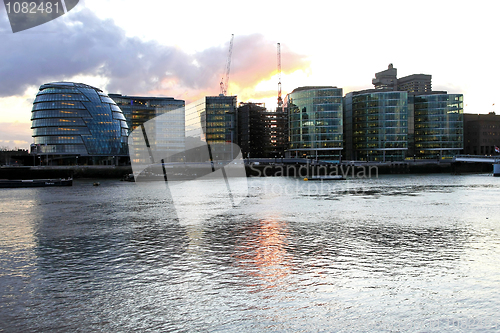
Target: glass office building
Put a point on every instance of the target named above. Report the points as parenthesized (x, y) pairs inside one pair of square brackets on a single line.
[(315, 122), (164, 121), (438, 125), (376, 125), (212, 119), (71, 120)]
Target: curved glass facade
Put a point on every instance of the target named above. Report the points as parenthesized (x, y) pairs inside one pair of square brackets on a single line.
[(77, 119), (315, 122), (438, 125), (379, 125)]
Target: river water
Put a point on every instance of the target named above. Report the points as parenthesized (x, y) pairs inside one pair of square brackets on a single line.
[(397, 253)]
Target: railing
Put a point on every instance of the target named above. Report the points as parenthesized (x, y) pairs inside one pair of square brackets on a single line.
[(477, 158)]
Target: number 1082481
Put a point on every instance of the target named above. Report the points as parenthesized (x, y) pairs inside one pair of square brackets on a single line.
[(32, 7)]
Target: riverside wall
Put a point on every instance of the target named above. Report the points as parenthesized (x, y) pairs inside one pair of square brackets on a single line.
[(262, 170)]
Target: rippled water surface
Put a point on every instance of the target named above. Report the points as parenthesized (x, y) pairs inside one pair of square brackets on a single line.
[(393, 254)]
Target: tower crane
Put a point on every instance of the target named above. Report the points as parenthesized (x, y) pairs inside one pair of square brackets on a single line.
[(280, 101), (225, 80)]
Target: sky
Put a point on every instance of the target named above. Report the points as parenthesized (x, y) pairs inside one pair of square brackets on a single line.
[(180, 49)]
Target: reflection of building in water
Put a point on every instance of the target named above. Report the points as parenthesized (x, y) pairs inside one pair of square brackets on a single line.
[(262, 252)]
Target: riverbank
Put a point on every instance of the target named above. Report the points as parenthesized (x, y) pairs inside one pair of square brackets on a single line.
[(40, 172), (353, 169)]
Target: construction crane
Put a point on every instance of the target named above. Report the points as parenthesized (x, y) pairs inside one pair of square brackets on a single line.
[(280, 101), (225, 81)]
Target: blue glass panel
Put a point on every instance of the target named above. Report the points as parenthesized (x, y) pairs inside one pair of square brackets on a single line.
[(106, 99)]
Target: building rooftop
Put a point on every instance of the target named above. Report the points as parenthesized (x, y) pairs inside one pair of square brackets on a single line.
[(67, 85), (313, 87)]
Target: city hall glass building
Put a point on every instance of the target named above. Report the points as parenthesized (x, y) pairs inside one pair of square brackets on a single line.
[(376, 125), (77, 123), (315, 122)]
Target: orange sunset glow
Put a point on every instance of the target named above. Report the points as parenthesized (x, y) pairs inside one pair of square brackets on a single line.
[(263, 254)]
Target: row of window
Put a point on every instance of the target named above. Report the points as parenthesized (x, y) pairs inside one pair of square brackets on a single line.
[(57, 105), (452, 144), (312, 145), (392, 145), (51, 122), (316, 137), (58, 139), (313, 130), (386, 117), (61, 131), (60, 114), (58, 91), (63, 149), (60, 97), (380, 131)]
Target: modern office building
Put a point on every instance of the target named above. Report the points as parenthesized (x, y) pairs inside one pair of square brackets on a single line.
[(278, 131), (315, 122), (481, 133), (77, 123), (376, 125), (212, 119), (139, 109), (439, 122), (262, 132), (164, 118), (253, 130)]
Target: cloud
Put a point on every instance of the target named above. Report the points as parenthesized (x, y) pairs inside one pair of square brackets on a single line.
[(15, 135), (81, 44)]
